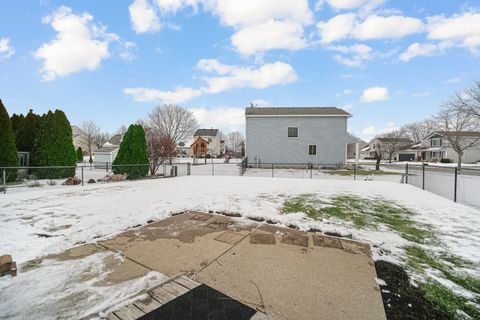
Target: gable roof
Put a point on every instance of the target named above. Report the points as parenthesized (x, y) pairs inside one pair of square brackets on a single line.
[(115, 140), (402, 140), (201, 139), (206, 132), (474, 134), (296, 111), (106, 149)]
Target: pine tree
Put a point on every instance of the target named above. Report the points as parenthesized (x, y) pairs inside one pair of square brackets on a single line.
[(132, 157), (8, 150), (18, 121), (28, 133), (79, 154), (54, 147)]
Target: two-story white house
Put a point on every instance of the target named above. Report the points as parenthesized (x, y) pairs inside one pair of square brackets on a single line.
[(215, 146), (294, 135), (436, 146)]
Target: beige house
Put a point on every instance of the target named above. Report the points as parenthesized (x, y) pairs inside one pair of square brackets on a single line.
[(436, 146), (79, 139)]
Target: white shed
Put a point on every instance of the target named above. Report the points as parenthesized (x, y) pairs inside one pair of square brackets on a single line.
[(104, 155)]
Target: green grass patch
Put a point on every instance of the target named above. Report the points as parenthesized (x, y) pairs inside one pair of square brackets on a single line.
[(350, 172), (449, 302), (362, 212)]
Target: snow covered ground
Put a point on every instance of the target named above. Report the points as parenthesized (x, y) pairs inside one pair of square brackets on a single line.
[(51, 220)]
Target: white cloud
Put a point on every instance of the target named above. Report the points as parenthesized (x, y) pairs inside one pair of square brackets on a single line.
[(78, 45), (359, 54), (143, 17), (375, 94), (241, 77), (374, 27), (345, 92), (392, 27), (226, 77), (347, 106), (127, 51), (453, 80), (269, 35), (461, 29), (239, 14), (225, 118), (345, 4), (423, 49), (337, 28), (179, 95), (6, 50)]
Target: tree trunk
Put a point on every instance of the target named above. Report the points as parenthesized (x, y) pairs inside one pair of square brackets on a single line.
[(459, 164), (377, 164)]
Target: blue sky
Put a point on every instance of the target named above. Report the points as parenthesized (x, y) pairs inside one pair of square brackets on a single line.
[(386, 62)]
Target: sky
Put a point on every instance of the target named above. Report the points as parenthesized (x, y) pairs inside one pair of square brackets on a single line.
[(386, 62)]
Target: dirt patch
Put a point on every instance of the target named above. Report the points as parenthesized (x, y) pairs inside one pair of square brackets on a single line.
[(401, 299)]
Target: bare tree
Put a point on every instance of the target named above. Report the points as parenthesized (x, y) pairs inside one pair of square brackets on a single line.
[(122, 130), (91, 130), (101, 138), (459, 125), (470, 100), (234, 141), (173, 122), (416, 131), (159, 148)]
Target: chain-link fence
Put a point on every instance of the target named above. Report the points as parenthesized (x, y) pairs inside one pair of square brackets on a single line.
[(458, 184)]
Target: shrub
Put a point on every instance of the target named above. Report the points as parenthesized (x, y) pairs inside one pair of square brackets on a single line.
[(54, 147), (446, 161), (132, 158), (79, 154)]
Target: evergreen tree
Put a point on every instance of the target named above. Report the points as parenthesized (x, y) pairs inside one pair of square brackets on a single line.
[(8, 150), (79, 154), (28, 133), (54, 147), (18, 121), (132, 157)]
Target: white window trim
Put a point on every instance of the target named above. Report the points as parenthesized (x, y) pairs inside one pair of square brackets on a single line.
[(308, 150)]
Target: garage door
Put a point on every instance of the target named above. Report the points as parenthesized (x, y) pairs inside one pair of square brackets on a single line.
[(406, 157)]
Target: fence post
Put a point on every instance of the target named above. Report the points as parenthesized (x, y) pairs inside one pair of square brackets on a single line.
[(455, 185), (406, 173), (423, 176), (311, 169), (188, 168), (4, 182), (213, 170), (82, 175), (106, 165), (355, 171), (272, 169)]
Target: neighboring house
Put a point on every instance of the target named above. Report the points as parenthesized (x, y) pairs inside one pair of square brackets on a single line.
[(369, 151), (80, 139), (352, 143), (105, 155), (435, 147), (212, 137), (200, 147), (287, 135), (184, 150)]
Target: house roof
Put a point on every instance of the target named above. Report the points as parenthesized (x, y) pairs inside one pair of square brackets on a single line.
[(199, 138), (115, 140), (206, 132), (455, 133), (406, 140), (106, 149), (296, 111), (354, 139)]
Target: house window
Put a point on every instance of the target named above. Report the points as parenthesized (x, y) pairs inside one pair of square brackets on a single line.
[(202, 148), (436, 142), (312, 150), (292, 132)]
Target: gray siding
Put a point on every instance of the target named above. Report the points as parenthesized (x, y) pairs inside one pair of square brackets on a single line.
[(267, 141)]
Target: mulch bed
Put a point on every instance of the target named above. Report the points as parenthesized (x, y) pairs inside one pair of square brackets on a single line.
[(401, 299)]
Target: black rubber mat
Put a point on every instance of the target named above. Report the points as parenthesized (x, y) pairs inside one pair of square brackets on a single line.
[(201, 303)]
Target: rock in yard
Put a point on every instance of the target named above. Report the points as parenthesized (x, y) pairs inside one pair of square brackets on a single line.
[(72, 181)]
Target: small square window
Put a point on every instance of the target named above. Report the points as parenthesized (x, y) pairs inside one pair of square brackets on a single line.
[(292, 132), (312, 150)]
